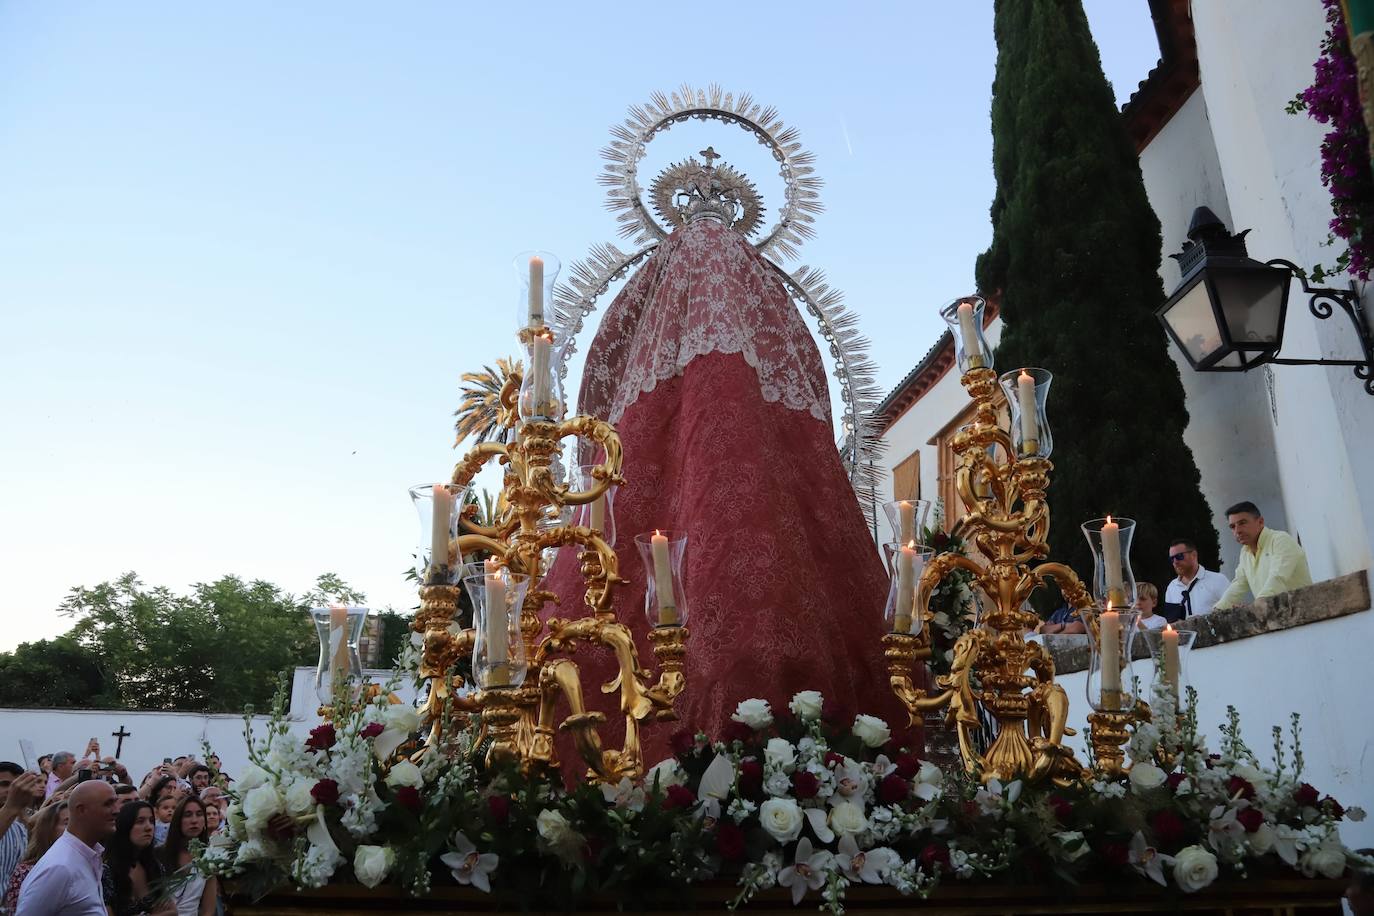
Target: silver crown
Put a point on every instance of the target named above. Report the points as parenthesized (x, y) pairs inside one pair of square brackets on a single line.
[(687, 191)]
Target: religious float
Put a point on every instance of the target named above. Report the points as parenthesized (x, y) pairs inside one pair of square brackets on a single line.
[(820, 724)]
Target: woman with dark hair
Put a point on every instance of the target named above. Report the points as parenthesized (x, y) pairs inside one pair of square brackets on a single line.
[(195, 895), (131, 868), (48, 824)]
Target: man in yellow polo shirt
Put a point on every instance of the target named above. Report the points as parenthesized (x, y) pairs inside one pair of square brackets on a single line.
[(1271, 561)]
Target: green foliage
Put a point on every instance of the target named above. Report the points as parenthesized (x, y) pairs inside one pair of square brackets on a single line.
[(395, 635), (55, 672), (1075, 255)]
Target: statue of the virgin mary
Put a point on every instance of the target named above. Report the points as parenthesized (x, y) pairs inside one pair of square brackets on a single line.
[(706, 367)]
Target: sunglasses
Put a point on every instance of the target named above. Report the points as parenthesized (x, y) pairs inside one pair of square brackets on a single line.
[(1178, 557)]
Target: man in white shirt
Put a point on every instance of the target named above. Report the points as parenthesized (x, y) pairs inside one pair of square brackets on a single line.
[(66, 881), (1195, 590)]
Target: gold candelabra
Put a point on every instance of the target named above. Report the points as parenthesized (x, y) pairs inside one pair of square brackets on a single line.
[(518, 722), (994, 668)]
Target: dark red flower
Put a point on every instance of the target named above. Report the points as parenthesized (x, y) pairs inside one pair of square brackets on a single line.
[(907, 765), (750, 779), (935, 855), (684, 741), (1169, 829), (1175, 780), (409, 797), (372, 730), (678, 797), (833, 759), (1062, 808), (736, 731), (321, 738), (1306, 795), (729, 841), (939, 540), (1115, 854), (1250, 818), (1236, 787), (805, 785), (325, 792), (1333, 807), (498, 806), (893, 789)]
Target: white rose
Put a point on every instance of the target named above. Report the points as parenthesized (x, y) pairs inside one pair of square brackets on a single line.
[(930, 773), (556, 830), (667, 773), (781, 818), (1146, 776), (779, 752), (251, 777), (371, 864), (847, 817), (1262, 840), (1194, 869), (1073, 844), (871, 730), (1328, 860), (807, 705), (756, 714), (402, 717), (260, 806), (405, 773), (299, 801), (1251, 774)]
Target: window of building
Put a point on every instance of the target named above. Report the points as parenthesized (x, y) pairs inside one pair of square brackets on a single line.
[(906, 477)]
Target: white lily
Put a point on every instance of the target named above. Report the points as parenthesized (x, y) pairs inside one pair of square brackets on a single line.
[(468, 865), (807, 871), (1147, 861)]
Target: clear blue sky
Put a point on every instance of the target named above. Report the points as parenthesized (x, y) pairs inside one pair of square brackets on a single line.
[(246, 249)]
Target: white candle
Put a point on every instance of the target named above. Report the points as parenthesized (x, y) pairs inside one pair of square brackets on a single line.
[(439, 529), (663, 580), (907, 512), (338, 641), (1111, 563), (1030, 422), (536, 292), (1109, 647), (1171, 666), (968, 333), (539, 372), (498, 628), (906, 588)]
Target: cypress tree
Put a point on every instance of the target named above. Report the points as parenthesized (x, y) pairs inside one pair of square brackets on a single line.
[(1075, 256)]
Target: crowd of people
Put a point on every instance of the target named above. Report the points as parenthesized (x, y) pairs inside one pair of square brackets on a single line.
[(1271, 562), (79, 838)]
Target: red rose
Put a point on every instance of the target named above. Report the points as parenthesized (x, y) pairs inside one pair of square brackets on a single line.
[(935, 855), (325, 792), (805, 785), (1250, 818), (893, 789), (1240, 788), (1116, 854), (1175, 780), (750, 778), (684, 741), (1306, 795), (833, 759), (321, 738), (498, 806), (1333, 807), (729, 841), (939, 540), (736, 731), (908, 765), (409, 797), (1062, 808), (1169, 829), (372, 730), (678, 797)]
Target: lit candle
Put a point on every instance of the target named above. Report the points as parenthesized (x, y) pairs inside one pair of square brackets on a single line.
[(498, 628), (338, 641), (907, 512), (439, 530), (663, 581), (1109, 648), (1171, 666), (539, 373), (968, 333), (536, 292), (1111, 563), (1030, 423), (906, 588)]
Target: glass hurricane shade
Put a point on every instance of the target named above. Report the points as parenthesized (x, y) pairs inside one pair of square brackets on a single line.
[(541, 388), (905, 564), (1111, 682), (1170, 663), (662, 552), (1030, 430), (498, 650), (971, 351), (600, 512), (536, 272), (1110, 541), (908, 518), (340, 629), (438, 565)]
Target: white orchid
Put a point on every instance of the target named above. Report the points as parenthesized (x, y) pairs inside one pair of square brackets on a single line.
[(624, 794), (468, 865), (807, 872), (868, 867), (1146, 860)]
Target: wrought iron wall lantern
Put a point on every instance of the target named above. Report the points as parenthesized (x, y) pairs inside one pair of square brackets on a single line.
[(1227, 314)]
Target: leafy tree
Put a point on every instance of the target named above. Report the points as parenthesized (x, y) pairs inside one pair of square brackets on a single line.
[(1075, 256), (55, 672)]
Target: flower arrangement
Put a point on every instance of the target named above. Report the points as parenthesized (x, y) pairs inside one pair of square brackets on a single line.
[(796, 799), (1333, 99)]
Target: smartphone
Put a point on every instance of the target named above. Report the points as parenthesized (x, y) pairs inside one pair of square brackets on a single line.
[(167, 761), (83, 775)]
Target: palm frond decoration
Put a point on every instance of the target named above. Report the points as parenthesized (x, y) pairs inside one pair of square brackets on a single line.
[(481, 412)]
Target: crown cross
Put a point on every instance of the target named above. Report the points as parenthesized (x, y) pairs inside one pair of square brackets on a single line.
[(710, 155)]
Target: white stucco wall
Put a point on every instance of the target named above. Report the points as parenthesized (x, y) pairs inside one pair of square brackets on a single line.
[(1320, 670)]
